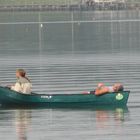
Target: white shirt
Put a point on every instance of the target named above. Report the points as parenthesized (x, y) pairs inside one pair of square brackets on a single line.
[(23, 86), (111, 89)]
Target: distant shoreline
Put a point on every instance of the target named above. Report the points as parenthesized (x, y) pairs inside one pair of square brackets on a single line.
[(67, 7)]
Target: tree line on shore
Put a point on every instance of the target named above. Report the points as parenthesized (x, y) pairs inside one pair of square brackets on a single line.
[(86, 5)]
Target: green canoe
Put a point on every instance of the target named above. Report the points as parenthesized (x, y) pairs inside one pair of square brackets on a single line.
[(9, 97)]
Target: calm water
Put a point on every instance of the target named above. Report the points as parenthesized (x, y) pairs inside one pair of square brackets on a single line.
[(62, 56)]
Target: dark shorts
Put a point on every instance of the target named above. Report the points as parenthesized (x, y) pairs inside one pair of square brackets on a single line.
[(92, 92)]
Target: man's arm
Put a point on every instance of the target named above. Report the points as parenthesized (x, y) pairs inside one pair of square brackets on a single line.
[(100, 91)]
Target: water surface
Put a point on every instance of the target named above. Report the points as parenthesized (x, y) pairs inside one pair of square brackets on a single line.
[(68, 58)]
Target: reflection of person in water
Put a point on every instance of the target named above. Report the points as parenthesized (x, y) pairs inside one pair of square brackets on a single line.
[(23, 118), (104, 116)]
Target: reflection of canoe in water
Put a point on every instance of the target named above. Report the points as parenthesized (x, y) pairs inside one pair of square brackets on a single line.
[(9, 97)]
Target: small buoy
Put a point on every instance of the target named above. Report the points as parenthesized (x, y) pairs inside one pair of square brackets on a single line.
[(41, 25)]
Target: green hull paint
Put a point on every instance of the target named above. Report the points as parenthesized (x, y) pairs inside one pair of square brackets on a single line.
[(9, 97)]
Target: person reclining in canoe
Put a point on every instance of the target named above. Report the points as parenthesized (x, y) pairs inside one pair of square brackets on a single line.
[(102, 89), (23, 84)]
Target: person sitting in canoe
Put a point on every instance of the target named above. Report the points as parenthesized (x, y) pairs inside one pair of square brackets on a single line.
[(102, 89), (23, 84)]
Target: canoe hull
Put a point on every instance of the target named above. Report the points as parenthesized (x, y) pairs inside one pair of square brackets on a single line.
[(9, 97)]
